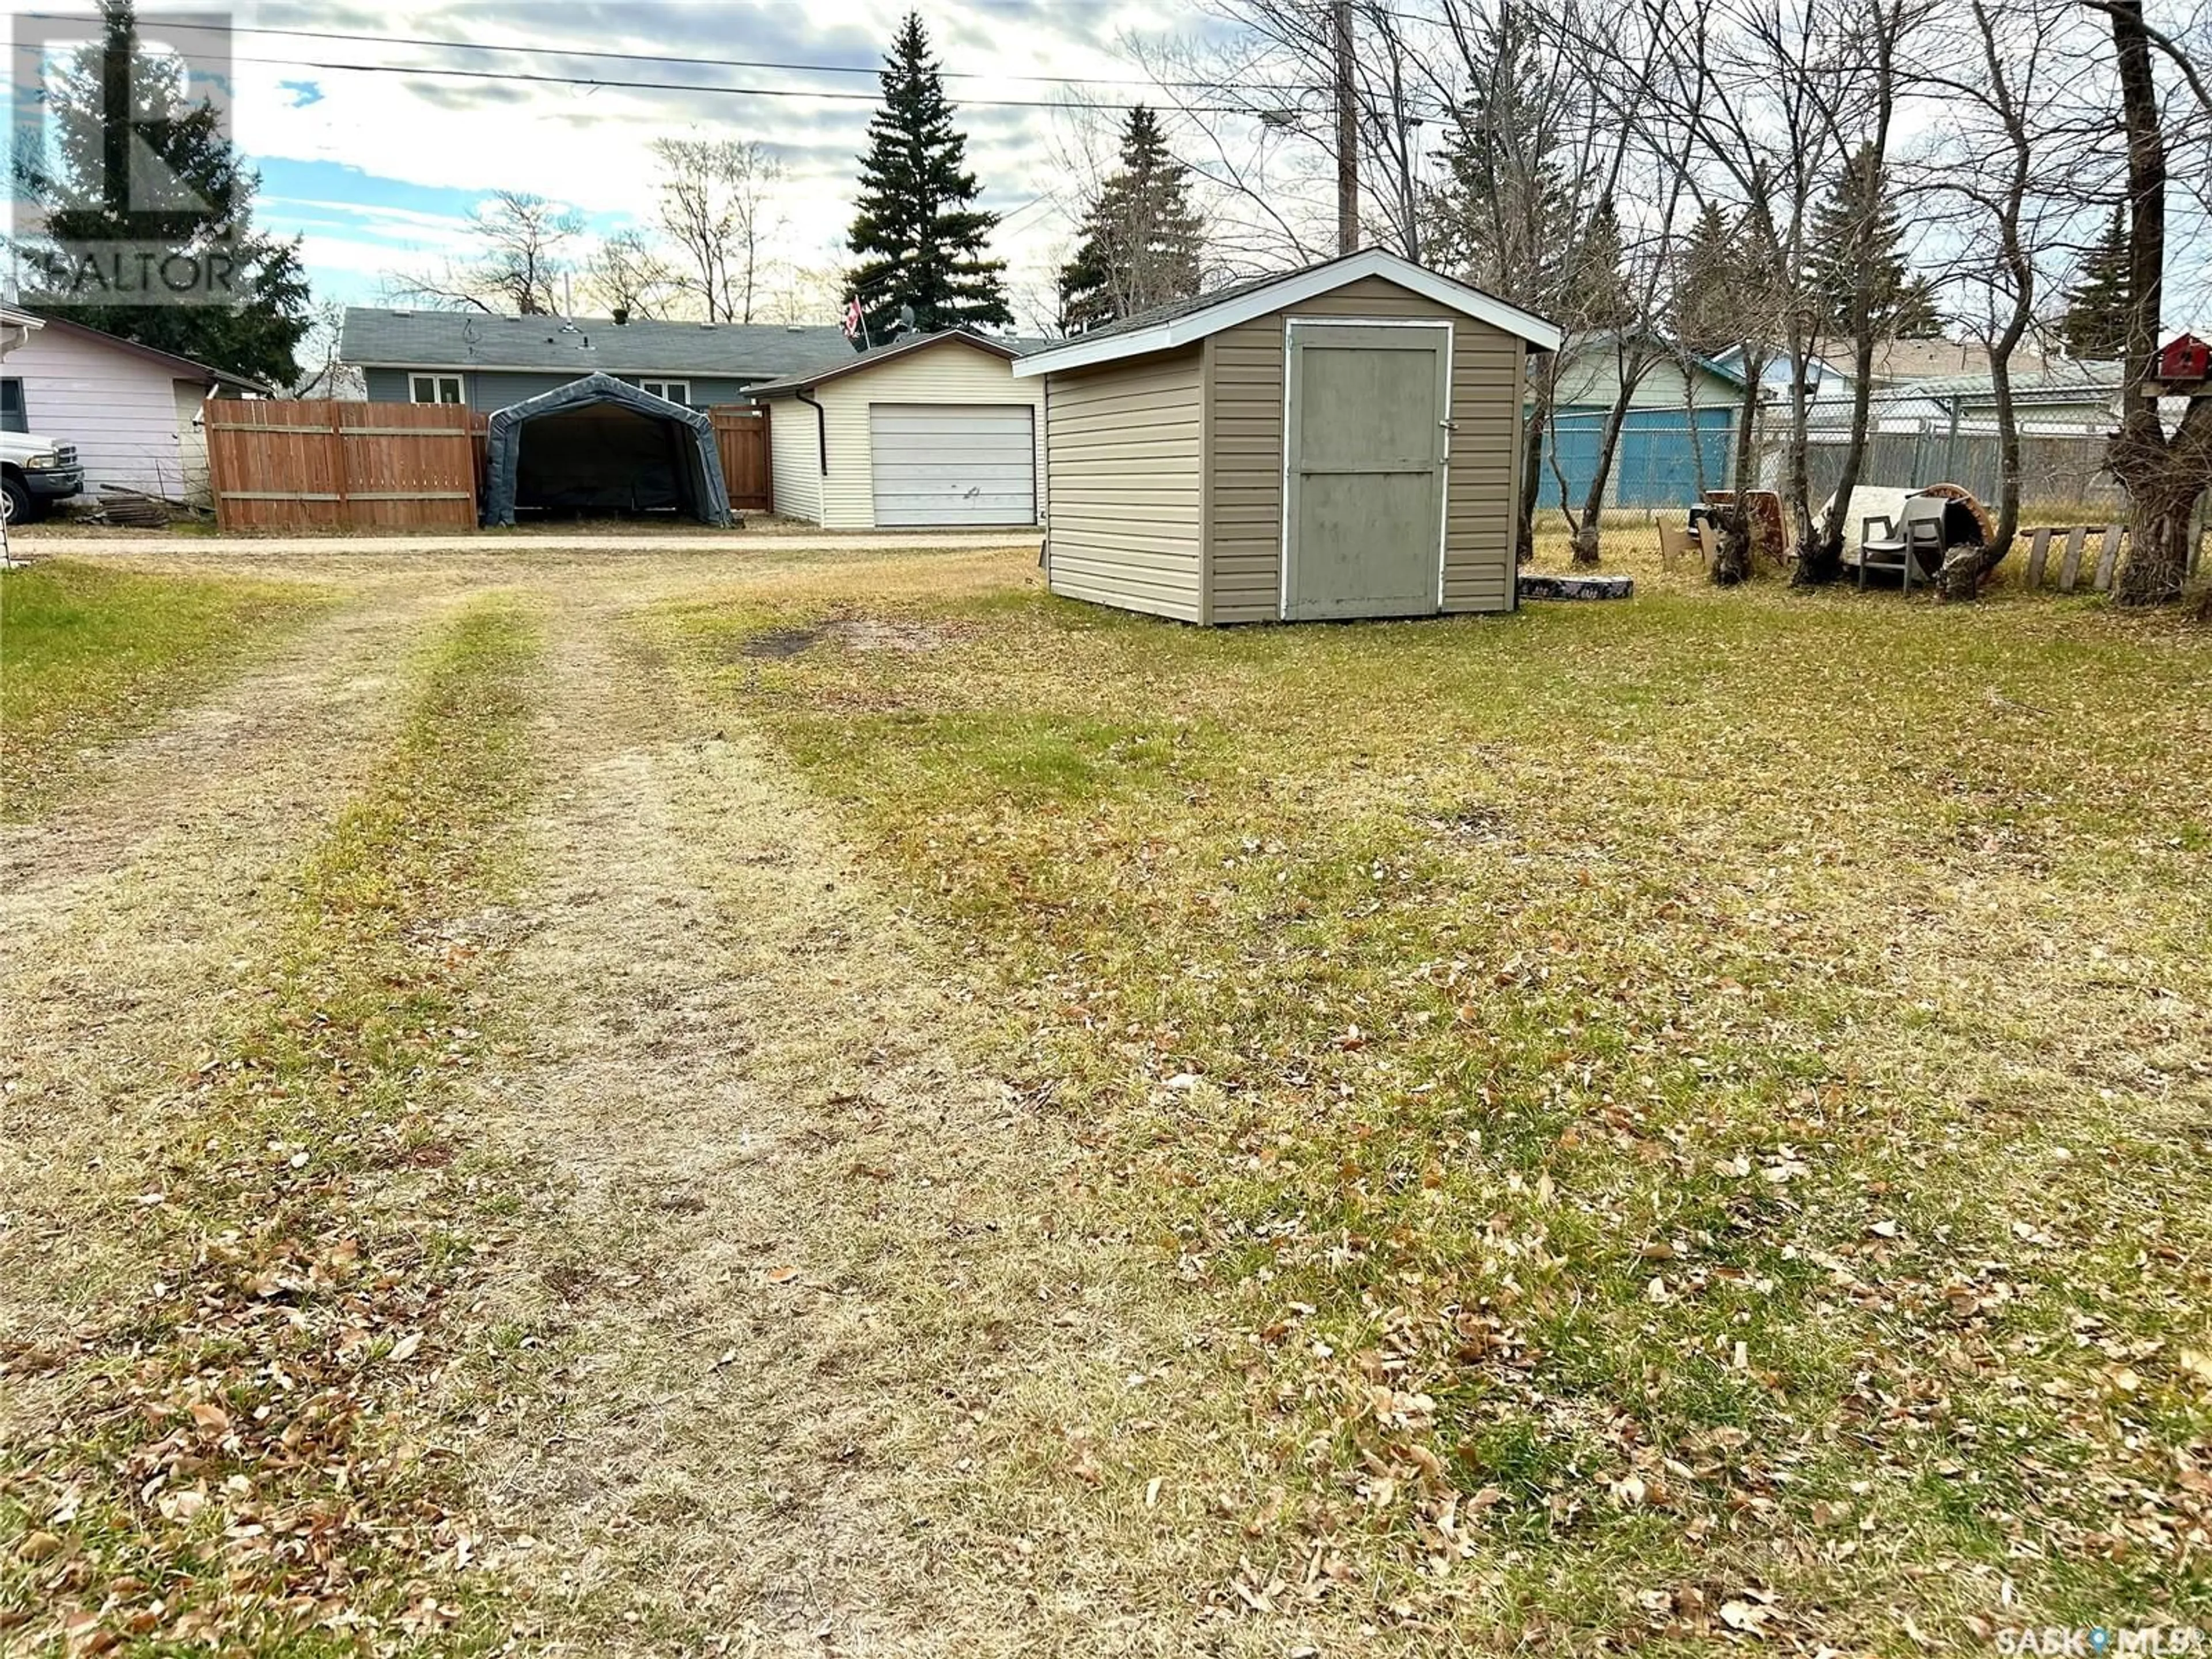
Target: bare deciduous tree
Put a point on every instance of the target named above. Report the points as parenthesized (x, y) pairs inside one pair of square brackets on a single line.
[(2005, 153), (627, 274), (322, 374), (715, 205), (524, 240), (2164, 473), (1872, 34)]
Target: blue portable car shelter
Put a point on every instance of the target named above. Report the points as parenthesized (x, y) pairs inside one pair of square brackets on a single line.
[(600, 443)]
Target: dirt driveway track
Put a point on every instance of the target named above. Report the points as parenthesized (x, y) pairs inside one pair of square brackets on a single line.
[(785, 1249)]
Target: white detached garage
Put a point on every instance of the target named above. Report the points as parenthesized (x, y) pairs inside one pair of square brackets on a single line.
[(932, 432)]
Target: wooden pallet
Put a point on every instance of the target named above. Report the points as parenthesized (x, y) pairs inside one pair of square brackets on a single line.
[(2072, 554)]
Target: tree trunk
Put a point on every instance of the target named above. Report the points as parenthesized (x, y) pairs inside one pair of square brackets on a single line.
[(2163, 476), (1797, 481), (1823, 561), (1966, 569), (2158, 541), (1733, 552), (1587, 531), (1630, 368), (1532, 470)]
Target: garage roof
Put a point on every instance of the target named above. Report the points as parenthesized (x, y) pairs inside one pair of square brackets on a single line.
[(381, 339), (1183, 321), (848, 360)]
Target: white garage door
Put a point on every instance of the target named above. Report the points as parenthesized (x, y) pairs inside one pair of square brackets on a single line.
[(953, 463)]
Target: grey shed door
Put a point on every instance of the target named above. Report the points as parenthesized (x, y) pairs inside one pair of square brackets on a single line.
[(937, 463), (1366, 443)]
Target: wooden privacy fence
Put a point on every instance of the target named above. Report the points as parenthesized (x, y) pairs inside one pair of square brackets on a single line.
[(741, 434), (324, 464)]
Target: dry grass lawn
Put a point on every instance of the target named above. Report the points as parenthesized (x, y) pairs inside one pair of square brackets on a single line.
[(1672, 1120), (88, 655), (752, 1101)]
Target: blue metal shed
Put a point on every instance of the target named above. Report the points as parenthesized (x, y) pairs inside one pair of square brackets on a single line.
[(1655, 464)]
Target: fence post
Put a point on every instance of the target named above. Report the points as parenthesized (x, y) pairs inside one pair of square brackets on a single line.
[(1951, 446), (339, 468)]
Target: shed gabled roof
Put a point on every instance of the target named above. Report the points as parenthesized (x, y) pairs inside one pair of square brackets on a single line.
[(1183, 321), (849, 362), (373, 338)]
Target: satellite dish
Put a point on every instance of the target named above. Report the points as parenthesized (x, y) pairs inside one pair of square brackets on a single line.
[(906, 318)]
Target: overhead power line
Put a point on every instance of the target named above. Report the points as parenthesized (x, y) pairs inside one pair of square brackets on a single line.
[(160, 25), (612, 83)]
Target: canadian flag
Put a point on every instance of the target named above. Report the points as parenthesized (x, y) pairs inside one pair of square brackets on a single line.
[(852, 317)]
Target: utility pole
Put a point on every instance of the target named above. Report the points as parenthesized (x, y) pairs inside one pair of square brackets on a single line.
[(1347, 134)]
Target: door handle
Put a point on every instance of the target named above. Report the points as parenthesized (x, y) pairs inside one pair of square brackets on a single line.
[(1449, 425)]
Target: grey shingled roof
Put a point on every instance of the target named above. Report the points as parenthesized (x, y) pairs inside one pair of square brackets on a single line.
[(1174, 308), (846, 360), (381, 338)]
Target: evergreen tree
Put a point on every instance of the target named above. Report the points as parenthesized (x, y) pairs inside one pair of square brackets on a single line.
[(1706, 309), (1504, 217), (2097, 305), (209, 217), (1858, 258), (1598, 297), (920, 244), (1140, 239)]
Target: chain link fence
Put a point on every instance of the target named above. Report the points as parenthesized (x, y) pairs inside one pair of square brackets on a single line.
[(1664, 461), (1912, 442)]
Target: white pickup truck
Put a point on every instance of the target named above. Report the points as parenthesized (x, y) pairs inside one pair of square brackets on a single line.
[(34, 473)]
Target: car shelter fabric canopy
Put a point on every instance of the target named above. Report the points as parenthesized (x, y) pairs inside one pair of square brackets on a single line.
[(600, 442)]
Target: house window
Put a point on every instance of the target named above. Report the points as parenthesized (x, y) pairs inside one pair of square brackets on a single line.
[(434, 388), (677, 392), (13, 417)]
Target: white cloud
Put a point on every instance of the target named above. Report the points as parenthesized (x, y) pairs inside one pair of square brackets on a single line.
[(449, 137)]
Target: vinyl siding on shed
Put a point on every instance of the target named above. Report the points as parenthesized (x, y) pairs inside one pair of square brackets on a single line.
[(952, 374), (1244, 375), (1126, 446)]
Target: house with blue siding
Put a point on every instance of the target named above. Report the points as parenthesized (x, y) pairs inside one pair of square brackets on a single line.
[(1679, 406), (487, 363)]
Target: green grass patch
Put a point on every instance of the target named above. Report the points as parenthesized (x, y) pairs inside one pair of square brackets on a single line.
[(90, 653), (241, 1456), (1674, 1103)]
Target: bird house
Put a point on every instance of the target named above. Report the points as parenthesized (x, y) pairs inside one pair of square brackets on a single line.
[(2182, 362)]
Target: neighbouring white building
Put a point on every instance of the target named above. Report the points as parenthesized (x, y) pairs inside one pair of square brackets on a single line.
[(134, 412), (930, 431)]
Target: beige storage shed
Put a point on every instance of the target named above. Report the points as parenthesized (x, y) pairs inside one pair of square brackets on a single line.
[(1338, 442)]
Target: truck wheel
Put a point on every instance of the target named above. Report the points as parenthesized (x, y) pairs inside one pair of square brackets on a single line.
[(18, 505)]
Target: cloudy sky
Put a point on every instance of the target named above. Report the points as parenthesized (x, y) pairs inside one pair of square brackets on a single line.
[(378, 171)]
